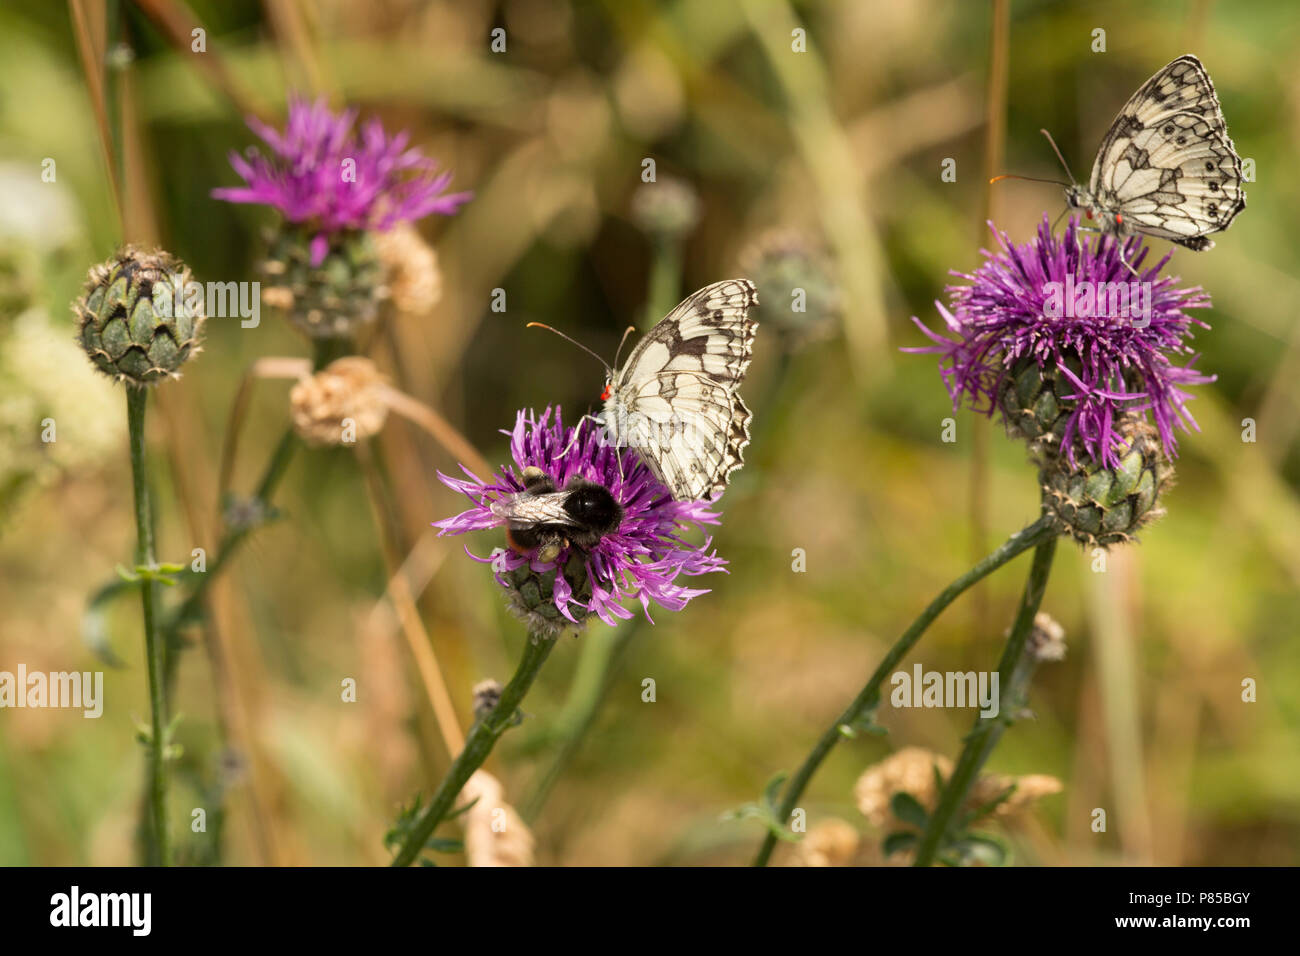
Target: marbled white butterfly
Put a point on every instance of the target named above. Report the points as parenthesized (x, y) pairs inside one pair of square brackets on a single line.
[(1166, 167), (676, 399)]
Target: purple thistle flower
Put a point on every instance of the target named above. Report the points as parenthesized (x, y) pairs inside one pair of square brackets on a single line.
[(642, 559), (1113, 362), (304, 177)]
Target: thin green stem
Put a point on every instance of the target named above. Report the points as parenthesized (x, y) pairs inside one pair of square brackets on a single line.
[(665, 280), (599, 657), (326, 350), (231, 538), (1014, 671), (136, 399), (482, 738), (1036, 534), (601, 651)]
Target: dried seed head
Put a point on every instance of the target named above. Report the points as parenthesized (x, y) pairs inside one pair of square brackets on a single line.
[(1046, 639), (1028, 790), (830, 843), (411, 266), (910, 770), (486, 694), (343, 403)]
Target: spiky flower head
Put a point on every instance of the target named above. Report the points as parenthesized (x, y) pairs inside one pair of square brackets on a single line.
[(333, 299), (323, 175), (335, 189), (1063, 339), (642, 559), (798, 292), (140, 316), (1102, 504), (666, 209)]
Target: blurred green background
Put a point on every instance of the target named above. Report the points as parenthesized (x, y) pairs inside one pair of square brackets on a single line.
[(835, 152)]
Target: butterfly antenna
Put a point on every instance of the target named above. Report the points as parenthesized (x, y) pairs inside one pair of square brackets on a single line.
[(1032, 179), (623, 341), (543, 325), (1058, 155)]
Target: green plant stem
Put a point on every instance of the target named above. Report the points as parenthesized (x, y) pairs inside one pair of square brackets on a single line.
[(1036, 534), (482, 738), (602, 651), (136, 399), (226, 547), (665, 287), (326, 350), (599, 657), (1014, 671)]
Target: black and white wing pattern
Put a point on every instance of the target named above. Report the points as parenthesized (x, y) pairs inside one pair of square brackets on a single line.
[(1166, 167), (675, 400)]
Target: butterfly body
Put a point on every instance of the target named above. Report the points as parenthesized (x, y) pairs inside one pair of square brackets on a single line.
[(675, 400), (1166, 166)]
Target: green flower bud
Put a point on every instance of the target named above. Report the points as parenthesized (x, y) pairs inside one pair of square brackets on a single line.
[(1101, 506), (667, 209), (531, 596), (797, 291), (136, 321), (334, 299), (1035, 404)]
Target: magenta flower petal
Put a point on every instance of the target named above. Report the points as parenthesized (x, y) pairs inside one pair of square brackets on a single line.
[(1003, 316), (321, 173), (641, 561)]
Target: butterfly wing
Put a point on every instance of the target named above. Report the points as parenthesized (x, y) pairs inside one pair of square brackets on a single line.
[(675, 399), (690, 431), (1166, 165), (709, 332)]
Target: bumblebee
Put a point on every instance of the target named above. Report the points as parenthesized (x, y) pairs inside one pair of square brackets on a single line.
[(544, 520)]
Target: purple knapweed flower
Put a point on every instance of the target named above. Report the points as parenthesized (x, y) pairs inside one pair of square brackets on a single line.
[(642, 559), (320, 173), (1054, 301)]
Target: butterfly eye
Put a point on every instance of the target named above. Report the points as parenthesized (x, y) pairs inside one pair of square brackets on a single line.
[(1119, 220), (1088, 213), (604, 395)]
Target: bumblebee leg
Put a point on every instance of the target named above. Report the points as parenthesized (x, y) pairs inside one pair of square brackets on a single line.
[(536, 481), (551, 550)]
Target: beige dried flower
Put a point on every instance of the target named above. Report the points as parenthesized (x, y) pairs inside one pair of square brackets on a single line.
[(910, 770), (343, 403), (1047, 639), (411, 267), (486, 694), (1028, 791), (495, 834), (830, 843)]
